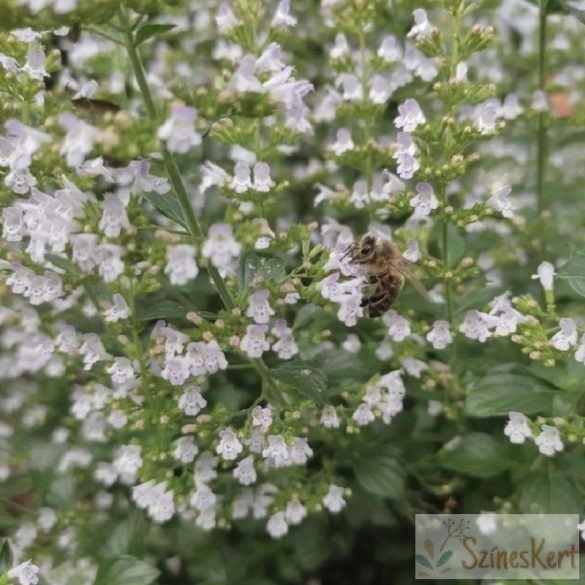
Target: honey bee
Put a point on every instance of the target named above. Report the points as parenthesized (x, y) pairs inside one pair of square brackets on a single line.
[(387, 272)]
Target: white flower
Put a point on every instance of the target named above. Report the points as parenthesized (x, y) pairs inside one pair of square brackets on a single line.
[(282, 17), (360, 196), (295, 512), (405, 157), (191, 401), (333, 500), (398, 326), (109, 261), (412, 252), (285, 347), (114, 217), (185, 449), (329, 418), (276, 525), (421, 24), (254, 342), (511, 107), (221, 248), (567, 336), (119, 310), (410, 116), (545, 273), (259, 308), (179, 130), (434, 408), (390, 49), (26, 573), (485, 116), (276, 453), (425, 200), (241, 180), (352, 343), (262, 180), (476, 325), (580, 353), (517, 428), (363, 415), (413, 367), (299, 451), (78, 141), (127, 461), (340, 48), (181, 266), (225, 19), (176, 370), (35, 64), (549, 441), (245, 472), (121, 371), (343, 143), (440, 335), (500, 201), (229, 446), (262, 417), (539, 101), (211, 175)]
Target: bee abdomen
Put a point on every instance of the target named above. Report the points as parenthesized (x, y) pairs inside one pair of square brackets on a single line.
[(384, 295)]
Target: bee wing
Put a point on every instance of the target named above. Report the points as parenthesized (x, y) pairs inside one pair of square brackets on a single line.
[(412, 275)]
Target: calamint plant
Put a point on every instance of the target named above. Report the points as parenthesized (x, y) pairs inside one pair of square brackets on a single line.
[(276, 276)]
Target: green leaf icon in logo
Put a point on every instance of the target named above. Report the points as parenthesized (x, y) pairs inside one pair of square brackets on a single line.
[(424, 562), (444, 558)]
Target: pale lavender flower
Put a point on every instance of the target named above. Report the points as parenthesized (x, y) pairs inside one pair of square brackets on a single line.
[(410, 116)]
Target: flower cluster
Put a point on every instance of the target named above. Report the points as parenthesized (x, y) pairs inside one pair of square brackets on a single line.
[(190, 349)]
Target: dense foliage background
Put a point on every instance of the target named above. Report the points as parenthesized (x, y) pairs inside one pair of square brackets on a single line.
[(191, 389)]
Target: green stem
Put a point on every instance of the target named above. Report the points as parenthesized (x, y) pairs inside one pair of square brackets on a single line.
[(446, 260), (368, 171), (138, 348), (542, 130), (193, 225), (171, 166), (26, 113)]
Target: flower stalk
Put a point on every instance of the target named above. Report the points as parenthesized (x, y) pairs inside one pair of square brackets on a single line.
[(542, 130)]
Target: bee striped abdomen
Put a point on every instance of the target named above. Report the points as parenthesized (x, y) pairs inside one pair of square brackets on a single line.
[(387, 290)]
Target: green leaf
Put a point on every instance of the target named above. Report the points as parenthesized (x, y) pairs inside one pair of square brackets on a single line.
[(550, 491), (151, 30), (168, 205), (380, 473), (253, 266), (6, 556), (162, 310), (125, 570), (61, 492), (444, 558), (500, 392), (423, 561), (64, 263), (574, 7), (307, 380), (127, 536), (15, 486), (574, 272), (552, 6), (477, 455), (476, 299)]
